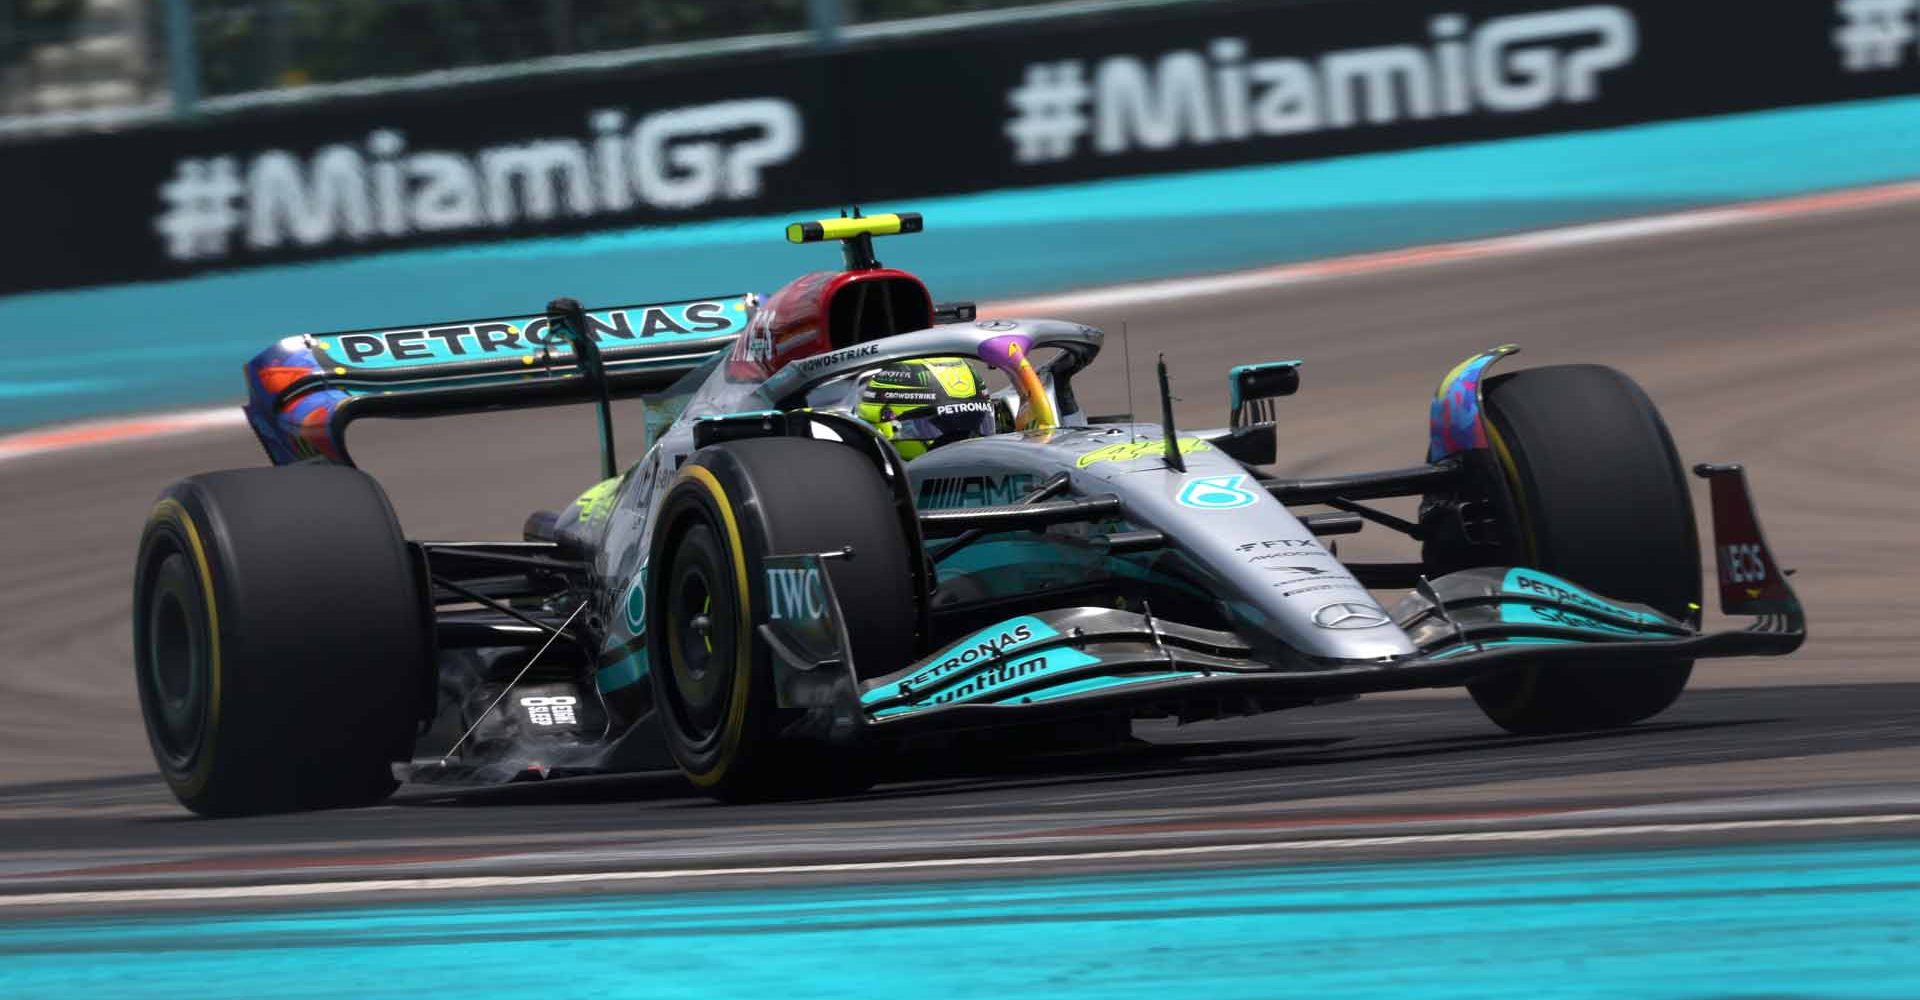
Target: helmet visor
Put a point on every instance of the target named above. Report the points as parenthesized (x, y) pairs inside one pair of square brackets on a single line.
[(946, 422)]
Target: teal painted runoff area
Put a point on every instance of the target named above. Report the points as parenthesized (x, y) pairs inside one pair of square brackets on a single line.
[(180, 343), (1834, 920)]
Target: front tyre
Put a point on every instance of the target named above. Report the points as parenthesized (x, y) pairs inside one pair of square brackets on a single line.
[(280, 637), (1601, 500), (730, 507)]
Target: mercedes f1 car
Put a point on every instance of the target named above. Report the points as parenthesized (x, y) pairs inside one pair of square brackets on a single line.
[(772, 596)]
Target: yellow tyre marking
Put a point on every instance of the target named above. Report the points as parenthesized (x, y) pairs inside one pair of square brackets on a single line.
[(170, 509), (1529, 676), (743, 646), (1513, 480), (706, 638)]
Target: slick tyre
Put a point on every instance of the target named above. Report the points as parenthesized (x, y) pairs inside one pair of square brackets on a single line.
[(1601, 500), (281, 640), (731, 506)]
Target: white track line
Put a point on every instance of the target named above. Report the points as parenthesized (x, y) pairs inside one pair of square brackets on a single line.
[(93, 434), (294, 890)]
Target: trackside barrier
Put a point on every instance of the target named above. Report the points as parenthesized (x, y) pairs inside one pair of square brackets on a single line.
[(1135, 92)]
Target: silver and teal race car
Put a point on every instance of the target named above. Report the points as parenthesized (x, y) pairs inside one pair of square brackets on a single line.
[(773, 597)]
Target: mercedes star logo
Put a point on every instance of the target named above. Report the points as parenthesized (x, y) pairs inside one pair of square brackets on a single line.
[(1349, 616)]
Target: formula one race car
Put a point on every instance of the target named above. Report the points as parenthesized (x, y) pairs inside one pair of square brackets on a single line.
[(864, 521)]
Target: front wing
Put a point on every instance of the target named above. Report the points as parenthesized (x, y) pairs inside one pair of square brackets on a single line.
[(1074, 661)]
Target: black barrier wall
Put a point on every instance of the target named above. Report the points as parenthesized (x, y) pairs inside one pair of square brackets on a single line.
[(1179, 88)]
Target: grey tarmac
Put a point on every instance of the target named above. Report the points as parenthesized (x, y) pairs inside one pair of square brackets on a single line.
[(1789, 346)]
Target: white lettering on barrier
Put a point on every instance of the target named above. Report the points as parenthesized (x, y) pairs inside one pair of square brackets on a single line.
[(676, 159), (1876, 34), (1513, 64)]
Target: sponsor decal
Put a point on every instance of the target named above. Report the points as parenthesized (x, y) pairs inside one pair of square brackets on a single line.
[(981, 647), (557, 710), (1005, 674), (1293, 568), (759, 343), (1350, 615), (1128, 451), (973, 406), (826, 361), (1317, 588), (1543, 614), (1067, 109), (1743, 563), (1315, 578), (796, 595), (1534, 584), (997, 324), (636, 604), (596, 504), (1216, 493), (898, 378), (366, 192), (973, 491), (1266, 544), (519, 337), (1264, 556)]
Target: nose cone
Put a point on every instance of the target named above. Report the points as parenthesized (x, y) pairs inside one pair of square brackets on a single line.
[(1271, 569)]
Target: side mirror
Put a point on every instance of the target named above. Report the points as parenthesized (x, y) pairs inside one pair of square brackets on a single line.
[(1251, 383), (1252, 439)]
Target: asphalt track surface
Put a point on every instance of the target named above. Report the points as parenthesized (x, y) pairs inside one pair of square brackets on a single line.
[(1789, 346)]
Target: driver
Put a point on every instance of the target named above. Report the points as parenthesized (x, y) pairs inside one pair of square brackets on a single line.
[(922, 404)]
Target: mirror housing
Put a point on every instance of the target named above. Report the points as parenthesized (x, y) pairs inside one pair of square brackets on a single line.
[(1269, 380)]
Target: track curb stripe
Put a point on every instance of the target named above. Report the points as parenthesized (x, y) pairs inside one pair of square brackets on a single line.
[(69, 437)]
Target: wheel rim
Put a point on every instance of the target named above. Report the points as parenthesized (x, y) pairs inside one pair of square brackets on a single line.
[(700, 610), (175, 663)]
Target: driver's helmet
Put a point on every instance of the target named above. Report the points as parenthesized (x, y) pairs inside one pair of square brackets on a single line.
[(922, 404)]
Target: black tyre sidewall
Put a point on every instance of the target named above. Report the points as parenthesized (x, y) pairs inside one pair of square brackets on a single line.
[(322, 634), (780, 496), (1603, 501)]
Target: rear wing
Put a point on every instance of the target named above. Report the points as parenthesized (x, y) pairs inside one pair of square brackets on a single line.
[(304, 390)]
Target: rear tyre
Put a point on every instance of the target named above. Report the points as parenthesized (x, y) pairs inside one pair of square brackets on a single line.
[(1601, 500), (280, 637), (733, 505)]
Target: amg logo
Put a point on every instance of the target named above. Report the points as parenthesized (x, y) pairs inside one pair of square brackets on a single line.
[(796, 595), (974, 491)]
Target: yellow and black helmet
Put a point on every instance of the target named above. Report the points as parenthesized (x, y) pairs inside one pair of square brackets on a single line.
[(922, 404)]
